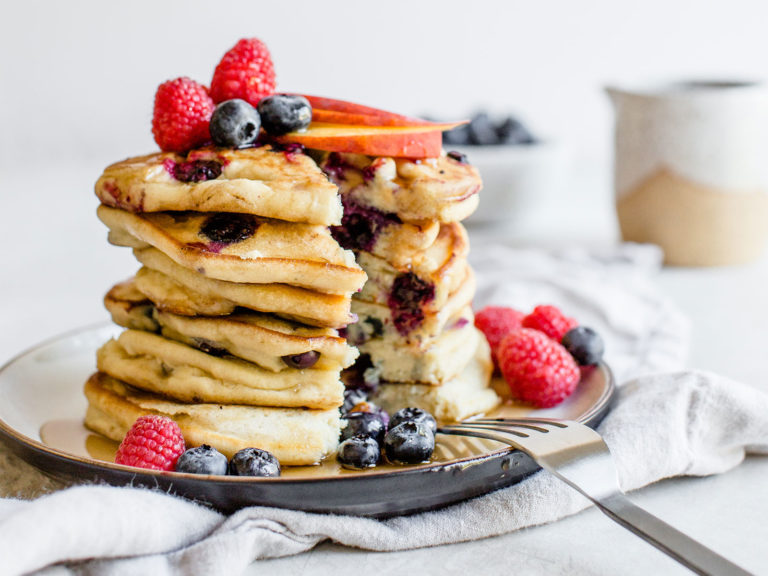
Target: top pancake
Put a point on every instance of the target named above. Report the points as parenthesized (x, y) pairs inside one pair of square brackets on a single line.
[(267, 252), (260, 181), (440, 189)]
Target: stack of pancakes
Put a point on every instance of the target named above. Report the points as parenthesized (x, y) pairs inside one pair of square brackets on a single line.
[(415, 332), (232, 320)]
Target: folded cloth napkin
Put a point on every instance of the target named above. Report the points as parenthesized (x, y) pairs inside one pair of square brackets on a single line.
[(665, 423)]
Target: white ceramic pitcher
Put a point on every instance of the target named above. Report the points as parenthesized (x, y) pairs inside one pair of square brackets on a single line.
[(691, 169)]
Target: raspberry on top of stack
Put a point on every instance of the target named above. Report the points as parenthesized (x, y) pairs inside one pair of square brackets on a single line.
[(274, 233)]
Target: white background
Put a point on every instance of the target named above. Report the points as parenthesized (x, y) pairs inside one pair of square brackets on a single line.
[(78, 78)]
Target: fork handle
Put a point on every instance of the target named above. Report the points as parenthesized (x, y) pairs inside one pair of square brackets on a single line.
[(672, 542)]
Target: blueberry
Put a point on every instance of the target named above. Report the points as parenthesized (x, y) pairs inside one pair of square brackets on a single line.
[(209, 347), (482, 132), (359, 452), (235, 124), (409, 443), (414, 415), (458, 156), (202, 460), (366, 406), (407, 299), (195, 170), (229, 228), (254, 462), (459, 136), (364, 374), (284, 113), (585, 345), (364, 330), (512, 131), (303, 360), (353, 397), (364, 424)]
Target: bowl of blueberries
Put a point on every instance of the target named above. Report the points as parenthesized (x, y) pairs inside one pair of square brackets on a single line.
[(520, 171)]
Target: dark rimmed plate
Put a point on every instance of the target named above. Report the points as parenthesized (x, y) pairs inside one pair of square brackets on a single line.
[(41, 420)]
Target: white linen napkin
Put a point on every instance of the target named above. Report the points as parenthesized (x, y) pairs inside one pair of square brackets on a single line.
[(665, 423)]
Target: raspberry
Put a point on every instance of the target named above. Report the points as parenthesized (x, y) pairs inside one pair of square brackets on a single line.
[(245, 72), (496, 322), (183, 111), (153, 442), (539, 371), (550, 320)]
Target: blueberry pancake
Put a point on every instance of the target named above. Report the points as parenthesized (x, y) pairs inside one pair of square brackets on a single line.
[(366, 229), (295, 437), (186, 292), (241, 248), (434, 361), (439, 270), (261, 181), (175, 370), (440, 189), (130, 308), (270, 342), (465, 395), (408, 314)]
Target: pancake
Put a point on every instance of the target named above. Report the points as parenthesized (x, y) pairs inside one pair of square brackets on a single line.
[(177, 371), (383, 234), (466, 395), (440, 270), (259, 181), (257, 250), (130, 308), (410, 319), (182, 291), (434, 362), (439, 189), (295, 437), (259, 338)]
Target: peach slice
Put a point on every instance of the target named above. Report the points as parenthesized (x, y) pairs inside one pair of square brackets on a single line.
[(420, 141), (341, 112)]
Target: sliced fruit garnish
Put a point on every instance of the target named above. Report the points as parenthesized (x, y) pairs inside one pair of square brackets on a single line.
[(334, 111), (423, 141)]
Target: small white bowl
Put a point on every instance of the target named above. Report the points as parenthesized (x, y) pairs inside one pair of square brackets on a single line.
[(517, 179)]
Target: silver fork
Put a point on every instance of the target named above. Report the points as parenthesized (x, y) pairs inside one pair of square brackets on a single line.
[(577, 455)]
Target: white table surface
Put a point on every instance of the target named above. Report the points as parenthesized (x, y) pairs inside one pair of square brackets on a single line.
[(57, 265)]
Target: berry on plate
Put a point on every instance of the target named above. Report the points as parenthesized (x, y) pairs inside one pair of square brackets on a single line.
[(235, 124), (202, 459), (496, 322), (245, 72), (409, 443), (414, 415), (254, 462), (366, 406), (153, 442), (364, 424), (359, 452), (550, 320), (181, 116), (538, 370), (585, 345)]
